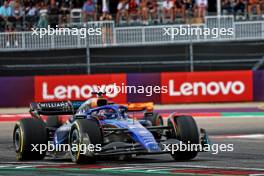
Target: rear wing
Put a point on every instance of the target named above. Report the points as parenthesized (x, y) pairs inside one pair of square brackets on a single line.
[(55, 108)]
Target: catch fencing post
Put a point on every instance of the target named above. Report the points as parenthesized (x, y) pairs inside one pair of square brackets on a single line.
[(191, 44), (88, 59), (191, 56), (218, 7)]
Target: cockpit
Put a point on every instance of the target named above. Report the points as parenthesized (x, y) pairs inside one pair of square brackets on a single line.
[(91, 103), (110, 112)]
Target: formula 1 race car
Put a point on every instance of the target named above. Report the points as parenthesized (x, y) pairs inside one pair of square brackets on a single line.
[(108, 126)]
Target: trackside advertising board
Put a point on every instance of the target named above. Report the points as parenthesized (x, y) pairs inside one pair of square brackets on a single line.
[(177, 87), (16, 91), (78, 87), (207, 87), (258, 85), (149, 81)]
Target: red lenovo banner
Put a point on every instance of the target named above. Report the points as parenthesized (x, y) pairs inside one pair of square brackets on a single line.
[(61, 88), (224, 86)]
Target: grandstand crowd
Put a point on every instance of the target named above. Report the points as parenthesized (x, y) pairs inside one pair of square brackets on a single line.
[(18, 15)]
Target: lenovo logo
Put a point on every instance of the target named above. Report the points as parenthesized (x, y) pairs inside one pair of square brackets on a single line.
[(62, 92), (210, 88)]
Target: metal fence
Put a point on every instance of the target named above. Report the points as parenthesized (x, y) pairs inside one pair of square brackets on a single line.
[(136, 35)]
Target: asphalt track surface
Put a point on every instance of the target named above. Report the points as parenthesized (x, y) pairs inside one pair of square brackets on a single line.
[(246, 134)]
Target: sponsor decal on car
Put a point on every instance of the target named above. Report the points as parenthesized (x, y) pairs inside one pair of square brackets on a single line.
[(53, 105)]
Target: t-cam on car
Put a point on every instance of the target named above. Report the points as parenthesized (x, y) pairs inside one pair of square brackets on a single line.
[(110, 126)]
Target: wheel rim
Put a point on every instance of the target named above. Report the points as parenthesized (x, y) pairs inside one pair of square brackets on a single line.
[(174, 131), (75, 140), (17, 139), (171, 129)]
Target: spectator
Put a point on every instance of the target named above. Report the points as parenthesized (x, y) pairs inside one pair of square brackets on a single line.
[(65, 3), (43, 10), (17, 15), (106, 16), (253, 4), (133, 10), (89, 11), (27, 5), (178, 8), (12, 3), (122, 10), (107, 33), (144, 12), (76, 3), (153, 9), (167, 10), (53, 13), (5, 14), (43, 19), (31, 16), (187, 8), (226, 7), (105, 7), (240, 5), (262, 7), (64, 13), (202, 6)]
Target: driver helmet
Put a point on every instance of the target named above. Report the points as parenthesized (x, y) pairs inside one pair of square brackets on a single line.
[(108, 114)]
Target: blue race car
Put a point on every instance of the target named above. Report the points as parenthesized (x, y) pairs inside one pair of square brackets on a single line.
[(98, 128)]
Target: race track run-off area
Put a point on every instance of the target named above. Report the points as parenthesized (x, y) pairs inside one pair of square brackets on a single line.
[(242, 127)]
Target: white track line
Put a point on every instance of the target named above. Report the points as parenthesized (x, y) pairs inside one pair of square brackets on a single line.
[(27, 166), (246, 136), (37, 163), (117, 168), (154, 169), (142, 168), (211, 167), (3, 166)]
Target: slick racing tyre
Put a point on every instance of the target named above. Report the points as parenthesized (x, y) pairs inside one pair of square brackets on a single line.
[(184, 128), (84, 132), (27, 133), (53, 122), (156, 120)]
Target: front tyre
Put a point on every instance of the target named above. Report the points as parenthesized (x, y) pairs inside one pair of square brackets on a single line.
[(84, 133), (184, 128), (28, 132), (156, 120)]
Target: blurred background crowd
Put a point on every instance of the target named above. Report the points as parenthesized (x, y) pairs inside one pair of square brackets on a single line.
[(20, 15)]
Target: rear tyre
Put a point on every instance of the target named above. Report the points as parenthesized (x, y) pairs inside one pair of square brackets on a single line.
[(84, 132), (186, 131), (28, 132)]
